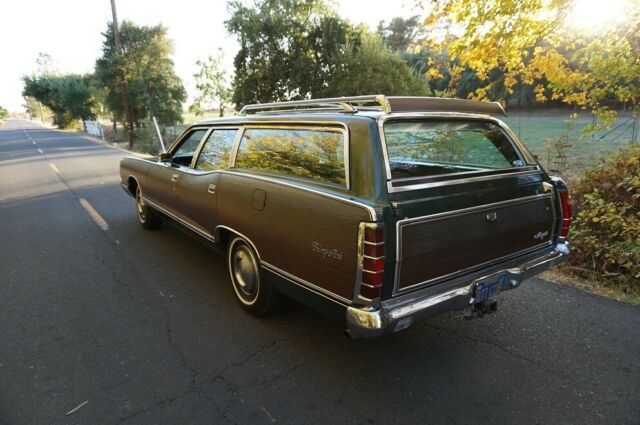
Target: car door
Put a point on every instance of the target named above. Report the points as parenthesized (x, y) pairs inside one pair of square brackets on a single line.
[(161, 182), (197, 189)]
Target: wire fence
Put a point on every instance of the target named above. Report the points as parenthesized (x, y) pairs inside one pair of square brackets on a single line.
[(561, 144)]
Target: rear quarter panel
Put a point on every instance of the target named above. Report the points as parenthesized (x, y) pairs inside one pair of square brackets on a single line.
[(293, 229)]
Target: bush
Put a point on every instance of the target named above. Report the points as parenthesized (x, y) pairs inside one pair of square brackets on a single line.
[(605, 235)]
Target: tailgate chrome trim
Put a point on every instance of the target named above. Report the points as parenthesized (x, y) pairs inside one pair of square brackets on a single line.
[(400, 224)]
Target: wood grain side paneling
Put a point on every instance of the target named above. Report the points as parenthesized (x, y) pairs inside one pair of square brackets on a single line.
[(288, 225)]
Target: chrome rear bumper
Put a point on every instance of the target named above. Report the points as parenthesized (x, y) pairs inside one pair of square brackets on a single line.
[(399, 313)]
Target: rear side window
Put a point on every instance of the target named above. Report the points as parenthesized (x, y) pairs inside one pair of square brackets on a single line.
[(216, 150), (430, 148), (308, 153)]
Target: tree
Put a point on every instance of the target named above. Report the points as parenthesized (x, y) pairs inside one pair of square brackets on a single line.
[(46, 65), (401, 34), (150, 83), (286, 48), (297, 49), (371, 68), (212, 85), (4, 114), (68, 96), (528, 44)]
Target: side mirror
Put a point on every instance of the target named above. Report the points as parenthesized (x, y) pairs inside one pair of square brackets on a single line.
[(165, 157)]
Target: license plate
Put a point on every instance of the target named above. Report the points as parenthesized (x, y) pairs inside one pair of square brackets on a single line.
[(489, 287)]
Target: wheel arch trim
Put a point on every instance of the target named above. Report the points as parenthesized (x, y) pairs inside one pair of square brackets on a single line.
[(216, 236)]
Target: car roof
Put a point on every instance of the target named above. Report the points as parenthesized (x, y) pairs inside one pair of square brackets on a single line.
[(345, 109), (293, 117)]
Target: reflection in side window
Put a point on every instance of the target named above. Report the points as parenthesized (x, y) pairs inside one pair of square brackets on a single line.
[(190, 144), (312, 154), (216, 150)]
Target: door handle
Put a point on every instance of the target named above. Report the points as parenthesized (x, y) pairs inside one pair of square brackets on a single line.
[(174, 177), (211, 188)]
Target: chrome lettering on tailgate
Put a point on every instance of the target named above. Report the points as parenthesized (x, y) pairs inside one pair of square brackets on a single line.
[(541, 235)]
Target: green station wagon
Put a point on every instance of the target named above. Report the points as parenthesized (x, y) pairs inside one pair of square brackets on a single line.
[(379, 211)]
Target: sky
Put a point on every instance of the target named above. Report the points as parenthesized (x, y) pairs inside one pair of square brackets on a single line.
[(70, 32)]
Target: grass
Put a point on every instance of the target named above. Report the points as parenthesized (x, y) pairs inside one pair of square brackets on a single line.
[(538, 129)]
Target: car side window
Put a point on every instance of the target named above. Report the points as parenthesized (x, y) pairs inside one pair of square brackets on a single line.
[(309, 153), (184, 154), (217, 150)]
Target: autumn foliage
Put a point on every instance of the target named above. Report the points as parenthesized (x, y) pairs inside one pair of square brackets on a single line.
[(605, 235), (530, 42)]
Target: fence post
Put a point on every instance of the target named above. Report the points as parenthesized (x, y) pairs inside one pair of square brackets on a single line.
[(634, 134)]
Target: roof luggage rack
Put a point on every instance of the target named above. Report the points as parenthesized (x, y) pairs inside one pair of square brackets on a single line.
[(386, 104)]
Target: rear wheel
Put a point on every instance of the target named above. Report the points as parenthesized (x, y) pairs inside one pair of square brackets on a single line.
[(253, 292), (147, 216)]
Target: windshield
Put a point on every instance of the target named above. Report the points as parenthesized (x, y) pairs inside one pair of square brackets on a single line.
[(430, 148)]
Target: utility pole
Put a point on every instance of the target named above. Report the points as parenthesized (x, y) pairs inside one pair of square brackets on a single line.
[(121, 83), (116, 30)]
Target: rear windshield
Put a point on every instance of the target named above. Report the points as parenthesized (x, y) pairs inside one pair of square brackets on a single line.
[(431, 148)]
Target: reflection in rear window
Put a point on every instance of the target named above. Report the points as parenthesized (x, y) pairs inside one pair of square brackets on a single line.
[(430, 148)]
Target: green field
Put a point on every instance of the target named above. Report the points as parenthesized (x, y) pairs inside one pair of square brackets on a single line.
[(538, 130)]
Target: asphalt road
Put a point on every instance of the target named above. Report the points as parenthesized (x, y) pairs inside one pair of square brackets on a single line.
[(144, 328)]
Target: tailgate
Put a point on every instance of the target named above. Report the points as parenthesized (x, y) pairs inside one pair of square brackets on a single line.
[(466, 197), (439, 246)]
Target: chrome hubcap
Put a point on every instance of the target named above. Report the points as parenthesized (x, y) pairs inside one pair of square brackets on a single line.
[(140, 206), (245, 272)]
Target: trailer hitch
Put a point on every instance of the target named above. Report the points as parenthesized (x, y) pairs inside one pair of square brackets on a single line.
[(481, 309)]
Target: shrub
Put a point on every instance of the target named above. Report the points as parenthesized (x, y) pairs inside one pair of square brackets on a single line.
[(606, 228)]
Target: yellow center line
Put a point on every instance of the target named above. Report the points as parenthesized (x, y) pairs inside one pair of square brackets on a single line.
[(54, 168), (95, 216)]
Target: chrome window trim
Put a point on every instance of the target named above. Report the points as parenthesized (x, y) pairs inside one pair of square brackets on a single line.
[(307, 285), (193, 172), (332, 126), (176, 145), (446, 214), (236, 146), (518, 147), (466, 173), (391, 188), (372, 212), (205, 139)]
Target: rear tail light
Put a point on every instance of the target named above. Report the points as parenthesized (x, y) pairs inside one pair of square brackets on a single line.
[(371, 259), (566, 214)]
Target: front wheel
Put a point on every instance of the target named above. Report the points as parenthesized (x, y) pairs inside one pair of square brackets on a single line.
[(147, 216), (253, 292)]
